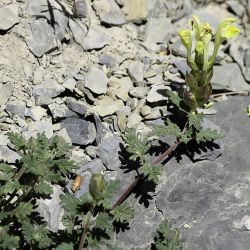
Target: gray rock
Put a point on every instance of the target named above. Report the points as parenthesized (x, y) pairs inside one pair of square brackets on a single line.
[(76, 106), (95, 167), (60, 111), (5, 93), (96, 80), (138, 92), (177, 48), (8, 155), (51, 210), (16, 108), (43, 100), (236, 7), (109, 151), (125, 85), (108, 60), (109, 12), (63, 134), (38, 76), (91, 151), (81, 132), (49, 88), (229, 77), (158, 30), (106, 106), (145, 110), (79, 157), (121, 120), (53, 12), (181, 65), (41, 38), (136, 10), (70, 84), (133, 120), (79, 31), (136, 71), (9, 16), (80, 8), (36, 113), (158, 93)]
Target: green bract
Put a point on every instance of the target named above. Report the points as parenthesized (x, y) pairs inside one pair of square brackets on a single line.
[(198, 80)]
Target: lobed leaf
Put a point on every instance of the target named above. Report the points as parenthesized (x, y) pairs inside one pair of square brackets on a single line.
[(123, 213), (151, 171), (208, 135)]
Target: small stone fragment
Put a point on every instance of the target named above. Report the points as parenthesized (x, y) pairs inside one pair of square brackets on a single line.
[(108, 60), (158, 93), (81, 132), (36, 113), (96, 80), (125, 85), (109, 12), (133, 120), (145, 110), (5, 93), (60, 111), (136, 71), (76, 106), (38, 76), (70, 84), (139, 92), (121, 121), (8, 16)]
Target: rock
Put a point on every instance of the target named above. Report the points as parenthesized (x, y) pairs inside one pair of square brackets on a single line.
[(109, 12), (158, 93), (96, 80), (132, 103), (108, 60), (44, 126), (181, 65), (5, 93), (70, 84), (109, 151), (145, 110), (76, 106), (64, 135), (136, 71), (38, 76), (59, 111), (8, 155), (236, 7), (81, 132), (158, 30), (9, 16), (36, 113), (51, 210), (27, 68), (95, 39), (139, 92), (94, 166), (81, 8), (133, 120), (177, 48), (41, 39), (125, 85), (49, 88), (157, 112), (43, 8), (229, 77), (91, 151), (121, 120), (135, 10), (79, 31), (105, 106), (16, 108), (79, 157)]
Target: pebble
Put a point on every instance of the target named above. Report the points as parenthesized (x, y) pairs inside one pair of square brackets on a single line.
[(133, 120), (5, 92), (158, 93), (139, 92), (38, 75), (9, 16), (145, 110), (136, 71), (59, 111), (70, 84)]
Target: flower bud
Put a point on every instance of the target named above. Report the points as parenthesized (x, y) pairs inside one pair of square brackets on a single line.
[(96, 185), (189, 99)]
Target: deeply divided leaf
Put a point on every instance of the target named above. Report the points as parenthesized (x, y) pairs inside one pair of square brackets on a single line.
[(151, 171), (208, 135), (123, 213)]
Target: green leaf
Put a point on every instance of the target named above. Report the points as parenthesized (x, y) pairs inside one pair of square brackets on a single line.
[(23, 210), (151, 171), (65, 246), (6, 172), (186, 38), (208, 135), (18, 141), (174, 98), (11, 186), (169, 129), (123, 213), (104, 222), (8, 241), (195, 120), (43, 188), (70, 203)]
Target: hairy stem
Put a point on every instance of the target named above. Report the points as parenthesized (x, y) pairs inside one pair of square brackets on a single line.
[(84, 233)]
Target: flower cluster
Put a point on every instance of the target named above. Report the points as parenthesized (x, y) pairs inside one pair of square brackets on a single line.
[(198, 80)]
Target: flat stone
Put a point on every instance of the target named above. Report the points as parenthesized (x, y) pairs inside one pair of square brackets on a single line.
[(109, 151), (181, 65), (94, 166), (9, 16), (136, 10), (81, 8), (62, 133), (8, 155), (95, 39), (91, 151), (139, 92), (16, 108), (229, 77), (79, 31), (158, 30), (59, 111), (108, 60), (106, 106), (145, 110), (5, 93), (121, 120), (96, 80), (70, 84), (41, 39), (81, 132), (49, 88), (136, 71), (43, 8), (109, 12), (79, 157), (76, 106), (236, 7), (51, 210), (125, 85), (38, 76), (36, 113), (133, 120), (158, 93)]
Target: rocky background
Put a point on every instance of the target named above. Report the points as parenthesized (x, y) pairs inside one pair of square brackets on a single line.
[(88, 79)]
